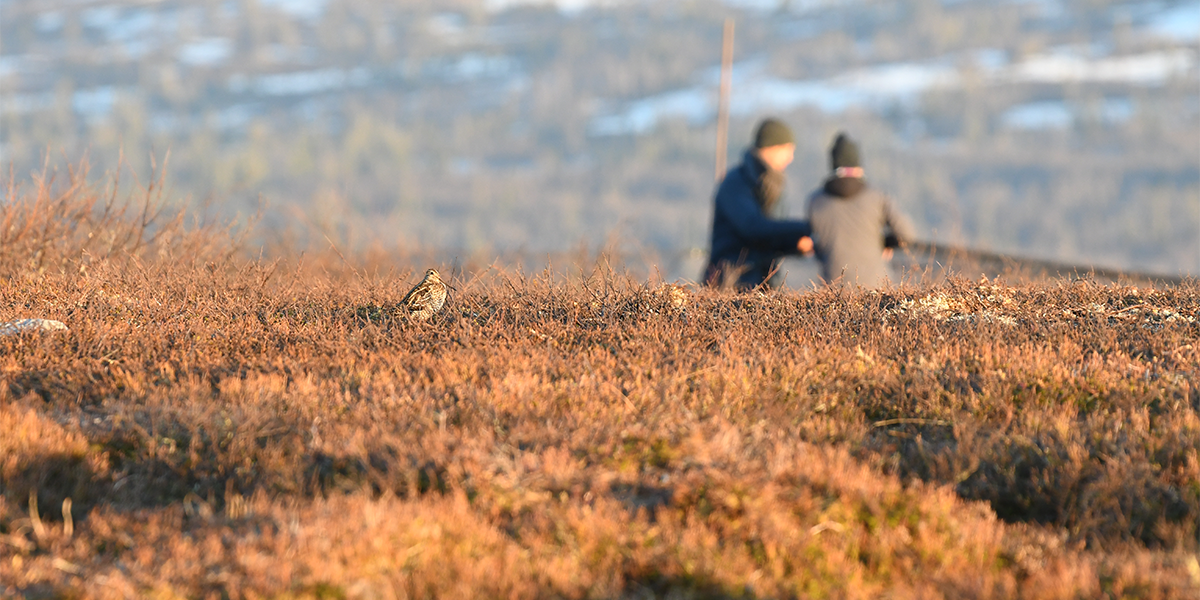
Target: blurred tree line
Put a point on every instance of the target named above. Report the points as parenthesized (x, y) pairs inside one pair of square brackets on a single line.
[(449, 125)]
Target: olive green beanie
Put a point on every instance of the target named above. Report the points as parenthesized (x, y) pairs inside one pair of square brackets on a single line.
[(844, 152), (772, 132)]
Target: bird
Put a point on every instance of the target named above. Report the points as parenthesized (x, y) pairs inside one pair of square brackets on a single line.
[(427, 298)]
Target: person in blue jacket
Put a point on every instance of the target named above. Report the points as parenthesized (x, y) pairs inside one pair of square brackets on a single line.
[(748, 238)]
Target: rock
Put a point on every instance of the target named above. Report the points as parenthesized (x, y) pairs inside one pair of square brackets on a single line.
[(20, 325)]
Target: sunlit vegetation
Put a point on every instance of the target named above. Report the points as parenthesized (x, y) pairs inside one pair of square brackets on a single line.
[(218, 422)]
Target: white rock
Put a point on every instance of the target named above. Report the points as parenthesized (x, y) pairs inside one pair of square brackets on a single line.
[(15, 327)]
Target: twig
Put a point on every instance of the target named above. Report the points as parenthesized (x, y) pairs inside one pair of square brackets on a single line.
[(68, 522), (826, 526), (39, 530), (19, 543), (66, 566), (699, 371), (1129, 308), (913, 421), (339, 253)]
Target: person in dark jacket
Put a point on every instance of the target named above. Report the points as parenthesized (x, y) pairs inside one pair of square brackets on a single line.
[(855, 226), (748, 239)]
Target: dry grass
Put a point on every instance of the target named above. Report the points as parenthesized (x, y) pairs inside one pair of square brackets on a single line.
[(229, 426)]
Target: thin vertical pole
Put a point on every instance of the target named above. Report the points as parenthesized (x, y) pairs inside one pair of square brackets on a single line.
[(723, 98)]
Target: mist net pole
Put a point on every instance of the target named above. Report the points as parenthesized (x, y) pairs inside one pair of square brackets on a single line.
[(723, 98)]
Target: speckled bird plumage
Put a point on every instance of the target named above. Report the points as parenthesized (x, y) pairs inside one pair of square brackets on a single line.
[(427, 298)]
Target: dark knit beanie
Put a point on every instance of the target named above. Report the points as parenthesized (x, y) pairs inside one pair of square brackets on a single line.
[(844, 152), (772, 132)]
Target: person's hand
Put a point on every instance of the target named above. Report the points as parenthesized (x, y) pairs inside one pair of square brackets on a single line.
[(887, 254), (805, 245)]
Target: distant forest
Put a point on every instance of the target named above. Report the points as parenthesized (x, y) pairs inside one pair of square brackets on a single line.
[(1064, 130)]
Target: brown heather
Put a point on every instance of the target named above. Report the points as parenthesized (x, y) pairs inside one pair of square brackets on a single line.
[(228, 426)]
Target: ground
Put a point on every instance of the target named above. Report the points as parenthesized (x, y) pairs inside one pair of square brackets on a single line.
[(219, 423)]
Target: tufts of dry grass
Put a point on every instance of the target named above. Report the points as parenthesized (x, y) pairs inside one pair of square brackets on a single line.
[(230, 426)]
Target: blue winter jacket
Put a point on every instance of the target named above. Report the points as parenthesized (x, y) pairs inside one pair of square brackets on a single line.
[(743, 235)]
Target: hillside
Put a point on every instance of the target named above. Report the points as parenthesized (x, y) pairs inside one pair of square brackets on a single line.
[(227, 424)]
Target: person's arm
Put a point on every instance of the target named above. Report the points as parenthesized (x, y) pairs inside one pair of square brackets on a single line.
[(902, 229), (755, 228)]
